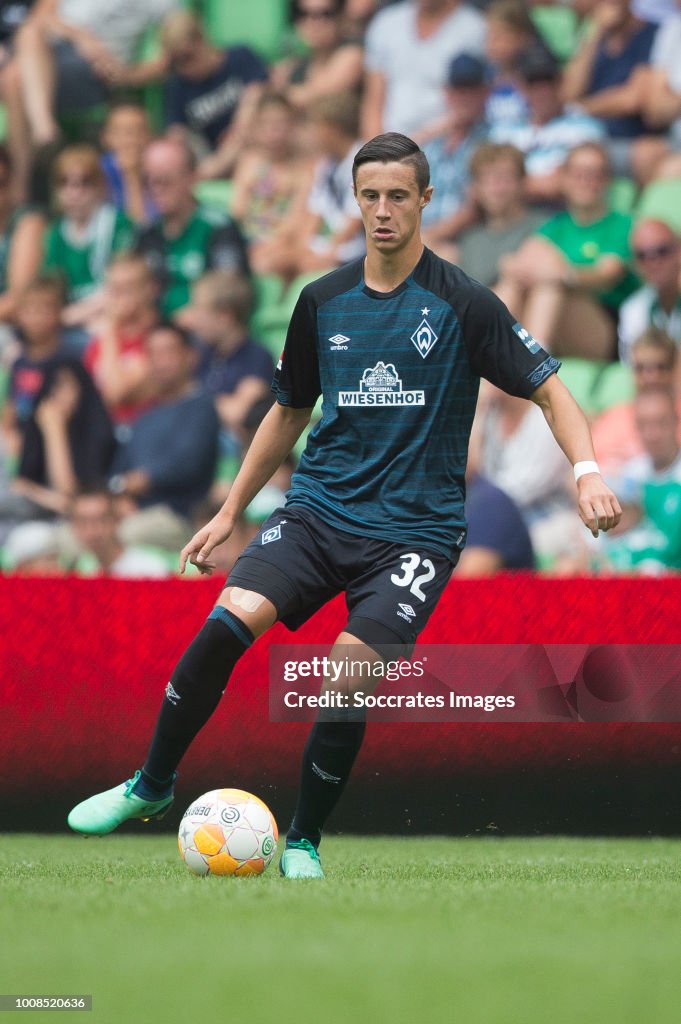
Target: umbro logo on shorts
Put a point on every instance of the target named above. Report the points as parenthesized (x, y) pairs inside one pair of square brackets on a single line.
[(339, 343), (406, 612)]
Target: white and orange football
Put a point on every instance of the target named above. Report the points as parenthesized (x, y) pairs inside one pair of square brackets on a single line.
[(227, 832)]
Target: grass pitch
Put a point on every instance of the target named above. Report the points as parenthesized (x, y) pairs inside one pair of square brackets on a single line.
[(511, 931)]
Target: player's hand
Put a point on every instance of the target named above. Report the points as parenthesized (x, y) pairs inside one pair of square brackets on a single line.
[(599, 509), (198, 550)]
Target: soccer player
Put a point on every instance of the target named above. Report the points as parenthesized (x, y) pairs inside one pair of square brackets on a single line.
[(396, 343)]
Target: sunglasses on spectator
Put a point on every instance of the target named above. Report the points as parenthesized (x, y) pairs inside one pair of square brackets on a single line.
[(75, 182), (327, 14), (655, 252), (652, 367)]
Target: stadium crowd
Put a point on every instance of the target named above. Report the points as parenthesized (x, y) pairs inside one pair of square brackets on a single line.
[(173, 173)]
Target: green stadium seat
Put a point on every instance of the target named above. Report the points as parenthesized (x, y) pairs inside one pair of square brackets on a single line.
[(581, 377), (614, 386), (622, 195), (260, 24), (296, 287), (662, 200), (217, 194), (558, 28)]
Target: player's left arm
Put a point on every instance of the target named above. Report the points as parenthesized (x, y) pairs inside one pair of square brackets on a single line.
[(599, 508)]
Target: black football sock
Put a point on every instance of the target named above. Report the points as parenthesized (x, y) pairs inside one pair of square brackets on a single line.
[(329, 755), (193, 694)]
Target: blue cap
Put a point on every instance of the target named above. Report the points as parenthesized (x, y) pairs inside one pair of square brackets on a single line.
[(467, 70)]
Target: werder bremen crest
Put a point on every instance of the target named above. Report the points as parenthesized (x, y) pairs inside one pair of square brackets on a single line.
[(424, 337)]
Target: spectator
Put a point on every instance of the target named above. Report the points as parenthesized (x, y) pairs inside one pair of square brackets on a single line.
[(101, 552), (117, 355), (331, 63), (236, 370), (660, 89), (125, 136), (497, 535), (32, 550), (323, 228), (211, 92), (12, 17), (38, 319), (518, 454), (653, 363), (449, 155), (657, 254), (268, 180), (68, 441), (72, 52), (409, 47), (613, 47), (566, 283), (185, 240), (650, 485), (82, 238), (498, 191), (510, 31), (170, 455), (21, 242), (550, 130)]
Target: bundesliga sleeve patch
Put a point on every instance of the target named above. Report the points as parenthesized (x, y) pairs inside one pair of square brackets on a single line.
[(526, 338)]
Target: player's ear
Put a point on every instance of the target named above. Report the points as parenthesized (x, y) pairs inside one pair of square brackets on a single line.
[(427, 196)]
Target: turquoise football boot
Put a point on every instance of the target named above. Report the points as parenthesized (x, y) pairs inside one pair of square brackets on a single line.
[(300, 860), (105, 811)]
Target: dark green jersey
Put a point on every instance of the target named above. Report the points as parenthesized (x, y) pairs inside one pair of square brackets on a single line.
[(399, 373), (83, 260), (209, 241)]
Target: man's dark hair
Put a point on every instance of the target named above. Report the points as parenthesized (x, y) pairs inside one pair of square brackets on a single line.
[(393, 147)]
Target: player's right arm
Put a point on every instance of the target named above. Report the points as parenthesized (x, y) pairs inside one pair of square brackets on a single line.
[(274, 439), (297, 386)]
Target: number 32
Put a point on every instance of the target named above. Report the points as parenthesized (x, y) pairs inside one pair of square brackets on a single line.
[(410, 563)]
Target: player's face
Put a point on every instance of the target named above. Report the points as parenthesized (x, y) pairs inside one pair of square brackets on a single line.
[(390, 203)]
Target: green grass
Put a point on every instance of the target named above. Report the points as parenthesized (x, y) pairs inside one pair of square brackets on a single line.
[(478, 931)]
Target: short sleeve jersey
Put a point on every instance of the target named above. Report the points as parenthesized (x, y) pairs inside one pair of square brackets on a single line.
[(584, 244), (209, 241), (208, 107), (399, 374), (83, 263)]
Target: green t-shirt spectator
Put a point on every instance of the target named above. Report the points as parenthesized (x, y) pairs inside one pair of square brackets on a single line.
[(209, 241), (584, 244), (83, 260)]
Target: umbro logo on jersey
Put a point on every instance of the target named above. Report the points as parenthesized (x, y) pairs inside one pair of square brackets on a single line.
[(424, 337), (406, 612), (381, 385), (339, 343), (271, 535)]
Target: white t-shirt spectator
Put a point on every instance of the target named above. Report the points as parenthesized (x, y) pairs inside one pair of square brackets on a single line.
[(665, 55), (546, 146), (415, 70), (642, 310), (120, 24)]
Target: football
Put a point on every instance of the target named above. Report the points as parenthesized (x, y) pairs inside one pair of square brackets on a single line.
[(227, 832)]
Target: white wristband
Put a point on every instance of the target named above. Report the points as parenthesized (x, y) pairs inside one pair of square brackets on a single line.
[(582, 468)]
